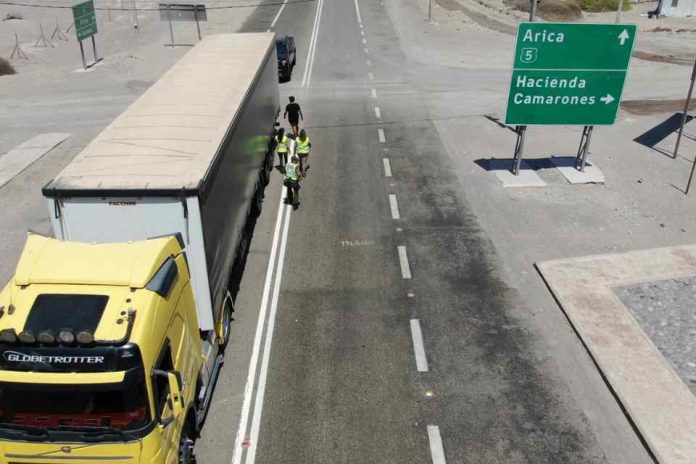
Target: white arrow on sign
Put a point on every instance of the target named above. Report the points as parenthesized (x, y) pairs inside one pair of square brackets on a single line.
[(623, 36), (608, 99)]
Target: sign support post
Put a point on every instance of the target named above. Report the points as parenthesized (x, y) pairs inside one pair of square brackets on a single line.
[(198, 26), (584, 148), (82, 53), (171, 29), (685, 113)]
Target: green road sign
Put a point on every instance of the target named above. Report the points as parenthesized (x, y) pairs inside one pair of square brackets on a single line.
[(569, 73), (85, 20)]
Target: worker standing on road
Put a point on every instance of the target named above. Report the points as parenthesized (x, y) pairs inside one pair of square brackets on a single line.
[(304, 145), (292, 181), (293, 113), (282, 148)]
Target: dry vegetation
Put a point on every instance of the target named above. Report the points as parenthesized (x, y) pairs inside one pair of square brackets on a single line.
[(5, 67)]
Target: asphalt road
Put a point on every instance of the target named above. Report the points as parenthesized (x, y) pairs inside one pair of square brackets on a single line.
[(325, 364), (336, 377)]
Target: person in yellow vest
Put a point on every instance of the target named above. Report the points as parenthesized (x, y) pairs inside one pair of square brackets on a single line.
[(282, 148), (304, 145), (292, 181)]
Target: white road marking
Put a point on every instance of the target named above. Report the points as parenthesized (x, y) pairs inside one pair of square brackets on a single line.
[(15, 161), (368, 62), (418, 346), (261, 389), (357, 13), (437, 454), (394, 205), (253, 363), (403, 261), (370, 75), (367, 52), (362, 33), (307, 76), (364, 41), (380, 134), (275, 20), (374, 93), (387, 167), (378, 113)]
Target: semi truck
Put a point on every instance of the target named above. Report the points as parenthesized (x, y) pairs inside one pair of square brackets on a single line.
[(112, 333)]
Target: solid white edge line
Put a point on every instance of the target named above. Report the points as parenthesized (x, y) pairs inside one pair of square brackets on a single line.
[(403, 262), (378, 113), (357, 13), (310, 51), (437, 453), (316, 39), (387, 167), (275, 20), (261, 388), (380, 134), (373, 92), (419, 346), (253, 362), (394, 205)]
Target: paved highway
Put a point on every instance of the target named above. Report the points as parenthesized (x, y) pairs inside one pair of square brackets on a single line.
[(374, 324), (385, 332)]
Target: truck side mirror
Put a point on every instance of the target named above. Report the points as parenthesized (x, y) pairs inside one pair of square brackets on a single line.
[(175, 392), (175, 400)]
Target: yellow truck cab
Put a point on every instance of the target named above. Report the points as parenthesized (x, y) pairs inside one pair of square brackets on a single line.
[(100, 354)]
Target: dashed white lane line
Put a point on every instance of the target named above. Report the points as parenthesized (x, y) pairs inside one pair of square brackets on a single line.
[(357, 13), (370, 75), (368, 62), (437, 453), (387, 167), (367, 52), (364, 41), (362, 33), (394, 205), (418, 346), (378, 113), (275, 20), (380, 134), (373, 92), (403, 261)]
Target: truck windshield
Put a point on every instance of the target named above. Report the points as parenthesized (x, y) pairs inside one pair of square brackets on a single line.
[(53, 407)]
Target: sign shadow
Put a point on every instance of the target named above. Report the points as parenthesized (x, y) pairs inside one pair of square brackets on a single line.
[(654, 136)]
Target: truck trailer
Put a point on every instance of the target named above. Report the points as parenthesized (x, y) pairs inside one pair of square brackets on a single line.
[(112, 333)]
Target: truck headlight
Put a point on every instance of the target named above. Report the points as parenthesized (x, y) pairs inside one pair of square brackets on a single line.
[(8, 336), (66, 336), (46, 337), (85, 337), (27, 336)]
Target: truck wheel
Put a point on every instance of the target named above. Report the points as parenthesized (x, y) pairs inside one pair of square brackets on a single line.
[(226, 325), (186, 442), (258, 203)]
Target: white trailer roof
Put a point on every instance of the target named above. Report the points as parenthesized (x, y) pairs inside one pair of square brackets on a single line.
[(168, 138)]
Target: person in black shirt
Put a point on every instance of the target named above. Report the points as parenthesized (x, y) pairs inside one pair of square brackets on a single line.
[(293, 113)]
